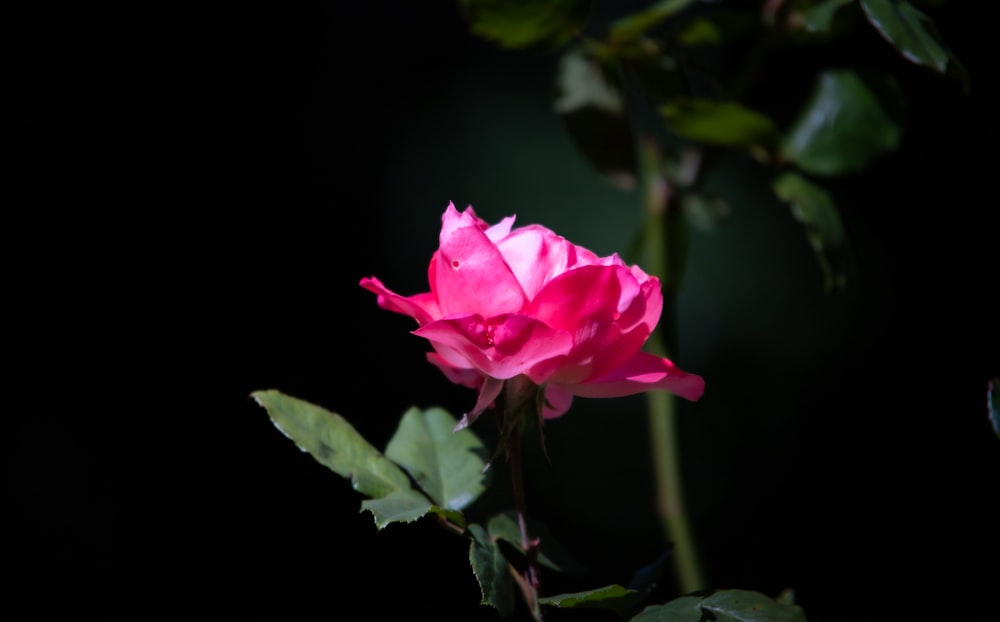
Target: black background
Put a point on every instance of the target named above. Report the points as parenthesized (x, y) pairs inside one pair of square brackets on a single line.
[(197, 193)]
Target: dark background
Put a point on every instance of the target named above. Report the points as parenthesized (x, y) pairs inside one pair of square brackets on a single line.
[(197, 193)]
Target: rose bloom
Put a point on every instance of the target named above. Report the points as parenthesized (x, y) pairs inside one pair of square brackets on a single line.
[(505, 302)]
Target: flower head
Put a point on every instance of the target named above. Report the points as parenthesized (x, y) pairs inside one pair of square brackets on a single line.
[(505, 302)]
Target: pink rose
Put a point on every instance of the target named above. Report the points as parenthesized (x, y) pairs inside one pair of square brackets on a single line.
[(505, 302)]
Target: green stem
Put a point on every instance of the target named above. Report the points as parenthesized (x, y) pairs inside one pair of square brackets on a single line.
[(520, 411), (664, 256)]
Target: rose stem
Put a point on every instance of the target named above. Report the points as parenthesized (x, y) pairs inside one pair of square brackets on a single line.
[(515, 403), (662, 259)]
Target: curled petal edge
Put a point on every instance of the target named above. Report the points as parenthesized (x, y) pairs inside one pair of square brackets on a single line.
[(643, 372)]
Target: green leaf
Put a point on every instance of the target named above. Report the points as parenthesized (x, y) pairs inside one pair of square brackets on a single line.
[(699, 32), (592, 110), (402, 506), (613, 597), (637, 24), (551, 553), (748, 606), (914, 35), (683, 609), (724, 123), (490, 569), (819, 18), (526, 23), (334, 443), (723, 606), (993, 404), (812, 206), (843, 127), (447, 464)]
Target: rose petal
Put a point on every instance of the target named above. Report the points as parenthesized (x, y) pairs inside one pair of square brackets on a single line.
[(536, 255), (580, 297), (470, 274), (421, 307), (643, 372), (487, 396), (465, 376), (501, 347), (557, 401)]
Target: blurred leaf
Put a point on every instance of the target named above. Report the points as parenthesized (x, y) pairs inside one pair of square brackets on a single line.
[(593, 112), (700, 32), (842, 127), (490, 568), (612, 597), (402, 506), (524, 23), (637, 24), (723, 606), (448, 465), (704, 212), (993, 404), (724, 25), (914, 35), (683, 609), (813, 207), (723, 123), (334, 443), (819, 18), (551, 553)]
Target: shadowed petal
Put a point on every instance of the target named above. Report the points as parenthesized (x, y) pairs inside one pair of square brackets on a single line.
[(501, 347), (643, 372)]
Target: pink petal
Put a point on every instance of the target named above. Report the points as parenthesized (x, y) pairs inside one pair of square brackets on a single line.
[(487, 395), (536, 255), (557, 401), (501, 347), (576, 299), (465, 376), (422, 307), (643, 372), (469, 273)]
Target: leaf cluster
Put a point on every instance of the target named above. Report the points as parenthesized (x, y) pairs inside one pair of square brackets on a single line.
[(665, 74), (431, 469)]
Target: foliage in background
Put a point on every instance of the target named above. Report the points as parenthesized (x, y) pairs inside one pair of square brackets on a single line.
[(655, 74), (653, 100)]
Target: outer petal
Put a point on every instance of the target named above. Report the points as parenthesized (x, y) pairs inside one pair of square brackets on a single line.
[(643, 372), (646, 308), (500, 347), (587, 302), (422, 307), (487, 395), (593, 357), (580, 297), (557, 401), (466, 376), (470, 274)]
